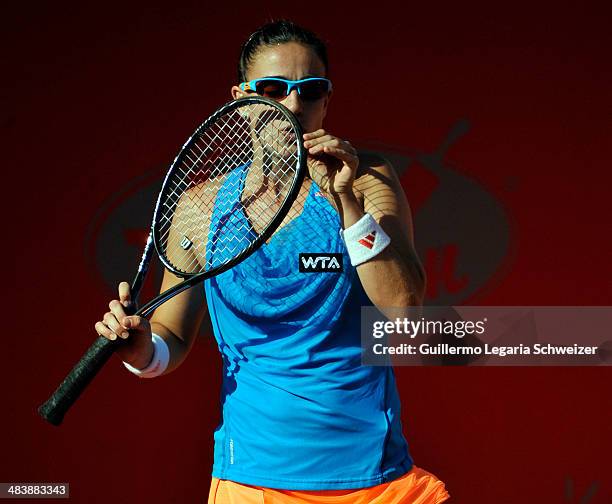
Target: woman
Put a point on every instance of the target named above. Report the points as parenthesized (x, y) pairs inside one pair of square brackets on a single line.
[(303, 420)]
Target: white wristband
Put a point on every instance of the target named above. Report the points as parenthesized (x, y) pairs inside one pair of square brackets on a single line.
[(364, 240), (159, 362)]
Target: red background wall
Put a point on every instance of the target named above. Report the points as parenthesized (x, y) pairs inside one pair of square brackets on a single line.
[(99, 94)]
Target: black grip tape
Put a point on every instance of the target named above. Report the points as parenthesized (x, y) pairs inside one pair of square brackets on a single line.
[(70, 389)]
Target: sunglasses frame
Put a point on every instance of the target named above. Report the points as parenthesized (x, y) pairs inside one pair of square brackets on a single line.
[(251, 86)]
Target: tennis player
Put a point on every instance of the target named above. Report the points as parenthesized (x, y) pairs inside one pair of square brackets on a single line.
[(303, 420)]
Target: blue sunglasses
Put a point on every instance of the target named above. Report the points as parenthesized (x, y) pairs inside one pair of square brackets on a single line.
[(311, 89)]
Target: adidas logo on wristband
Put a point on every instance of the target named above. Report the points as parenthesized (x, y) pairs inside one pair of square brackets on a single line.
[(368, 240), (364, 240)]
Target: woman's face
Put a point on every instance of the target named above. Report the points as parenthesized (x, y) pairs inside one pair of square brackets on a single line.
[(292, 61)]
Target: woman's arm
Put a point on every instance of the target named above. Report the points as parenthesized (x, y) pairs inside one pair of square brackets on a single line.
[(394, 277), (177, 321)]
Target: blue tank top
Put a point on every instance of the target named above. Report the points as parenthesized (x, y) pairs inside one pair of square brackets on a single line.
[(300, 412)]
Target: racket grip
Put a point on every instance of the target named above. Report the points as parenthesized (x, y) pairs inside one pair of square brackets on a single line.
[(54, 409)]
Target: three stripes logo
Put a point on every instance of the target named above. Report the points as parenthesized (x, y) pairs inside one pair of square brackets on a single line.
[(320, 263), (368, 240)]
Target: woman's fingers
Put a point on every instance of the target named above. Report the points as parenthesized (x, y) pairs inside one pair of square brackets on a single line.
[(111, 321), (116, 323), (319, 142), (118, 310), (110, 328), (136, 323), (103, 330), (348, 157), (314, 134), (124, 294), (314, 149)]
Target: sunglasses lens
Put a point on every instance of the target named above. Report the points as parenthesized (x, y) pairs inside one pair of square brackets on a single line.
[(311, 90), (272, 89), (314, 90)]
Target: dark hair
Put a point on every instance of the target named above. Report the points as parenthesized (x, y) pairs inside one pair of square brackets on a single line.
[(278, 32)]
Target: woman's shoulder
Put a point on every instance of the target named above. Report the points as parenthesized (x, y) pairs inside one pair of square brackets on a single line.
[(374, 170)]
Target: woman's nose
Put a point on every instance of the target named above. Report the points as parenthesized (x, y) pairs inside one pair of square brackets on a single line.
[(293, 102)]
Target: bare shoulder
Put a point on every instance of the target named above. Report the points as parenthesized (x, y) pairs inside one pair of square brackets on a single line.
[(194, 196), (376, 178), (374, 171), (191, 221), (372, 161), (378, 187), (196, 202)]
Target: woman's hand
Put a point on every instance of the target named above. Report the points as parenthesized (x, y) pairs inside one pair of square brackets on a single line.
[(332, 162), (137, 349)]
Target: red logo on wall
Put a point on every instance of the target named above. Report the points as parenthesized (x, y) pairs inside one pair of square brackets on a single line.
[(462, 232)]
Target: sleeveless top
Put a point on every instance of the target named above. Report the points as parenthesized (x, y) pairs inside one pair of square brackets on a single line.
[(300, 412)]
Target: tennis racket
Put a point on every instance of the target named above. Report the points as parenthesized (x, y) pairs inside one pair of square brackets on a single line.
[(228, 189)]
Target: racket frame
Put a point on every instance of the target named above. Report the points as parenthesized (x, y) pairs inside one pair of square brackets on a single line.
[(54, 409), (192, 279)]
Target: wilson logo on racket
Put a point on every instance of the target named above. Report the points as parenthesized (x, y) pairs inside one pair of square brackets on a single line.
[(321, 263), (368, 240), (186, 243)]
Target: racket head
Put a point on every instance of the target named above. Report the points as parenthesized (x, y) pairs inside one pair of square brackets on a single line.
[(218, 174)]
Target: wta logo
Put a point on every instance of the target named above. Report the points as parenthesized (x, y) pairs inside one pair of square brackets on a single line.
[(321, 263)]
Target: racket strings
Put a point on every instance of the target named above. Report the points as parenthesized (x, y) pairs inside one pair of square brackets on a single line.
[(196, 168), (200, 161), (242, 168)]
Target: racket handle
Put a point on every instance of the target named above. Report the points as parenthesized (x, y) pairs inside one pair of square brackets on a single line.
[(70, 389)]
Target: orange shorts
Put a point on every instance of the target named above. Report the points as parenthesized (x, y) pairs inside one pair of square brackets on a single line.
[(417, 486)]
